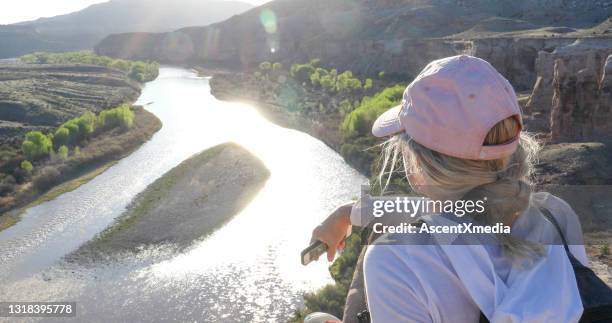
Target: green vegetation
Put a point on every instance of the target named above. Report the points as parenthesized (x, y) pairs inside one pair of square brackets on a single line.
[(69, 186), (333, 92), (63, 152), (26, 165), (50, 103), (71, 133), (75, 130), (137, 70), (330, 298), (360, 121), (121, 116), (265, 66), (36, 145), (302, 72), (8, 220), (46, 178), (338, 107)]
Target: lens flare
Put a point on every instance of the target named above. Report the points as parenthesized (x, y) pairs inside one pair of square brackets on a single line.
[(267, 18)]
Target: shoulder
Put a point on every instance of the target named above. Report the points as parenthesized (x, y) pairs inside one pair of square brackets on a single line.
[(559, 208), (548, 199), (568, 220)]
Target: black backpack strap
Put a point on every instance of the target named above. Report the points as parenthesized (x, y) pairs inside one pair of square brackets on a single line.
[(575, 262), (554, 221), (483, 318)]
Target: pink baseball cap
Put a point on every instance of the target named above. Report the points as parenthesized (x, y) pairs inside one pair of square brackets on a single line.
[(451, 106)]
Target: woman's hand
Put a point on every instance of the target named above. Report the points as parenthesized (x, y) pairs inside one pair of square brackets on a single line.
[(334, 229)]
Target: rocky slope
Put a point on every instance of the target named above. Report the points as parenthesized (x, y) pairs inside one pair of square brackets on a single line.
[(76, 31), (369, 36)]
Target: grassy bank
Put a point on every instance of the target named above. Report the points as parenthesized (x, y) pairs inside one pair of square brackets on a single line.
[(12, 217), (188, 202), (54, 176)]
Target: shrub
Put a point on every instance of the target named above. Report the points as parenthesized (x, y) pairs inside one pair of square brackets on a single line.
[(347, 83), (86, 123), (381, 74), (277, 67), (368, 84), (360, 120), (121, 116), (345, 107), (265, 66), (26, 165), (75, 130), (7, 185), (36, 145), (63, 152), (120, 65), (328, 82), (48, 177), (315, 79), (61, 137), (302, 72), (137, 72)]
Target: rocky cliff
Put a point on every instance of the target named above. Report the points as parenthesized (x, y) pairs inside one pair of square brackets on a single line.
[(395, 36), (581, 100), (577, 55)]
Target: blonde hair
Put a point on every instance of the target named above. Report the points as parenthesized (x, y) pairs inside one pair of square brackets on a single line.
[(505, 182)]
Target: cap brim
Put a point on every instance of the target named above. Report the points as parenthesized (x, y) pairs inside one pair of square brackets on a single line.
[(388, 123)]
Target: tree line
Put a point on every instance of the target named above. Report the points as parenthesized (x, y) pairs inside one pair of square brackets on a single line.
[(139, 71)]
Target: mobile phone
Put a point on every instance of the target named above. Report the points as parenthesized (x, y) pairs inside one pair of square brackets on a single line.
[(313, 252)]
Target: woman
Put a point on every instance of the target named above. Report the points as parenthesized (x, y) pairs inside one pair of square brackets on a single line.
[(458, 133)]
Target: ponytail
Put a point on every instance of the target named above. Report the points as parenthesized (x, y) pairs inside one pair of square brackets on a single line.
[(504, 182)]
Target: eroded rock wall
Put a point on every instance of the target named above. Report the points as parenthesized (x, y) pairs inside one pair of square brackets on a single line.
[(578, 55), (581, 100)]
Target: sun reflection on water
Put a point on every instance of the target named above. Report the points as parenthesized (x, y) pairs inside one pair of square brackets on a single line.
[(249, 270)]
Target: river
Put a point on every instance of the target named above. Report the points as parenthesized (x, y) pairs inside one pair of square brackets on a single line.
[(247, 271)]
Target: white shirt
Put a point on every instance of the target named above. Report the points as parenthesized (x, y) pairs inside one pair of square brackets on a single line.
[(453, 283)]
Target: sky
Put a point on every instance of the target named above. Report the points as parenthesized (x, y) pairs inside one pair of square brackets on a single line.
[(24, 10)]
